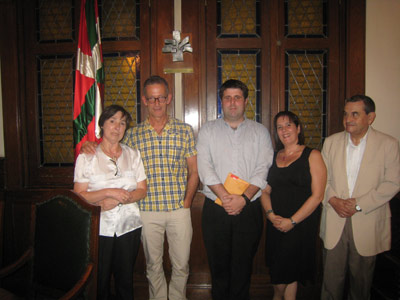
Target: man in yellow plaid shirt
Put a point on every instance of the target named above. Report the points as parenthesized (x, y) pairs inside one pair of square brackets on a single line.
[(169, 156)]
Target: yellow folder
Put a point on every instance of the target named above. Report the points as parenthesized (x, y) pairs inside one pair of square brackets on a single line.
[(233, 185)]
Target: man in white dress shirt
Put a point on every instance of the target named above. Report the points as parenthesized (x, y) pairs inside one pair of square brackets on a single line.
[(363, 175), (232, 231)]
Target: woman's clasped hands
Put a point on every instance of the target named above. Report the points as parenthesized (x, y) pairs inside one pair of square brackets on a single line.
[(114, 198), (280, 223)]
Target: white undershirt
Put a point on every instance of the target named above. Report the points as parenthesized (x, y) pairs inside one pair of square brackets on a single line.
[(354, 155)]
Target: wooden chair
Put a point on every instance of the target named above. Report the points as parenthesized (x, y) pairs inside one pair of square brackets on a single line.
[(64, 244)]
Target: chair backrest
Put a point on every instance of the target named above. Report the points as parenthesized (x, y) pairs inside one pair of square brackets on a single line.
[(65, 242)]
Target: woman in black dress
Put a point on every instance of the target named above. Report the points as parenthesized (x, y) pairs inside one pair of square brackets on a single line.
[(296, 185)]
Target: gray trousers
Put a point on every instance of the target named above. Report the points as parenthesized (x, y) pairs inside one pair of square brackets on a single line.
[(344, 259)]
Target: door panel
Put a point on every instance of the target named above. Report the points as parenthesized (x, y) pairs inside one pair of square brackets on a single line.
[(297, 65)]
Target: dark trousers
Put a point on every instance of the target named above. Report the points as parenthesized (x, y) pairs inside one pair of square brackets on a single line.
[(231, 243), (117, 256)]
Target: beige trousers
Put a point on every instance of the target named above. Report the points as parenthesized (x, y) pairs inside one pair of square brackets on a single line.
[(178, 227)]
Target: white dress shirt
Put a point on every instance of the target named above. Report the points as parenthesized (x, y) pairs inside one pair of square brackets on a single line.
[(354, 155), (246, 152)]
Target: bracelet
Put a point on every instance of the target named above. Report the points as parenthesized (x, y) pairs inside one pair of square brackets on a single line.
[(246, 199), (268, 212), (293, 222)]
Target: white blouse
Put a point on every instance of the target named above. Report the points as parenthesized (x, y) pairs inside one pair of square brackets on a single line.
[(101, 172)]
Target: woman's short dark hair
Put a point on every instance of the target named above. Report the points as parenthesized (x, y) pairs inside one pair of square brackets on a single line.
[(292, 118), (369, 104), (111, 110), (234, 84)]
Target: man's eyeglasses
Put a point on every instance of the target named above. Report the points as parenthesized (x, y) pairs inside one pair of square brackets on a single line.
[(161, 99)]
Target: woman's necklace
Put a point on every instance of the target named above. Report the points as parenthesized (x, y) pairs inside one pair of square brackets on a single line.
[(113, 156), (284, 156), (289, 154)]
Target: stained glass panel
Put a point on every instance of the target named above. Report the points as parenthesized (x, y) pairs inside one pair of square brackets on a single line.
[(55, 76), (119, 19), (122, 84), (306, 18), (306, 92), (243, 65), (238, 18), (55, 83), (55, 20)]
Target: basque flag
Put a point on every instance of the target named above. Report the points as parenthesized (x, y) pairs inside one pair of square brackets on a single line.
[(89, 77)]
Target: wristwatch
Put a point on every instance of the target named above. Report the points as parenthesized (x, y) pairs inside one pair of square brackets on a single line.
[(246, 199), (358, 208), (293, 221)]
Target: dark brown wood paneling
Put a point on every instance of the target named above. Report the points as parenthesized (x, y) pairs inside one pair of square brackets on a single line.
[(266, 66), (199, 271), (194, 83), (211, 61), (145, 49), (336, 35), (242, 43), (275, 76), (355, 47), (162, 24), (12, 87)]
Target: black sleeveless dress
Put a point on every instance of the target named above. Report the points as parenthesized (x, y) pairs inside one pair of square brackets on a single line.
[(290, 256)]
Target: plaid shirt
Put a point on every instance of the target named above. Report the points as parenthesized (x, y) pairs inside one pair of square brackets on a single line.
[(164, 159)]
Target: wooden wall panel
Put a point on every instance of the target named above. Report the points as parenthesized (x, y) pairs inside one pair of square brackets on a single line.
[(145, 48), (355, 47), (162, 24), (194, 83), (12, 91)]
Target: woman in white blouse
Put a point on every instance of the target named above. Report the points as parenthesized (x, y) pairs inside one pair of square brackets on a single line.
[(114, 179)]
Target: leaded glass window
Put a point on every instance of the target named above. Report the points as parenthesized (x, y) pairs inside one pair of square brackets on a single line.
[(55, 21), (306, 92), (55, 98), (119, 19), (122, 82), (238, 18), (243, 65), (306, 18)]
